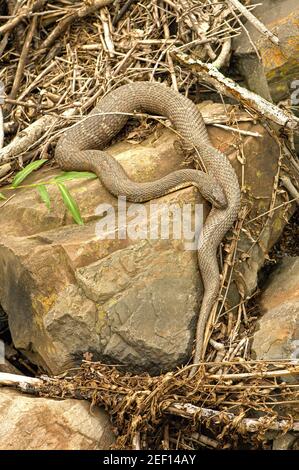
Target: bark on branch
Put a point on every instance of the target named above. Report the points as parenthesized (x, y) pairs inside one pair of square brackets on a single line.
[(230, 88), (187, 410)]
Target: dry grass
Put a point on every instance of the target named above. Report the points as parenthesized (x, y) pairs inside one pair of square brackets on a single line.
[(174, 411)]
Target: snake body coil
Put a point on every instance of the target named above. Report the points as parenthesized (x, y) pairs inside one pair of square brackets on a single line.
[(80, 146)]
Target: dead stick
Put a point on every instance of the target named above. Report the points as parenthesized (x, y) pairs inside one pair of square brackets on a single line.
[(65, 22), (230, 88), (24, 12), (27, 138), (255, 22), (287, 183), (22, 61), (37, 80), (247, 375), (7, 379), (187, 410), (249, 424), (122, 11)]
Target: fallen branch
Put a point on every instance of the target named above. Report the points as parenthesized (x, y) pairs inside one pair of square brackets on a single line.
[(257, 374), (223, 57), (26, 138), (255, 22), (287, 183), (246, 424), (24, 12), (187, 410), (19, 381), (230, 88)]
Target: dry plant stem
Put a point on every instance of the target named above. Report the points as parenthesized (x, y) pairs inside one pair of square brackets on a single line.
[(187, 410), (7, 201), (239, 131), (65, 22), (27, 138), (254, 21), (231, 255), (229, 88), (24, 12), (3, 43), (258, 374), (272, 210), (136, 441), (12, 10), (223, 57), (104, 15), (168, 56), (247, 424), (225, 277), (35, 82), (22, 61), (21, 103), (123, 11), (246, 32), (287, 183)]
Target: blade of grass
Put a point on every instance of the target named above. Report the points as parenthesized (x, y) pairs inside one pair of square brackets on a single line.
[(73, 175), (70, 203), (21, 175), (43, 192)]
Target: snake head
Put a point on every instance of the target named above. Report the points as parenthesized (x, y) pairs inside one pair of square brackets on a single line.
[(217, 197)]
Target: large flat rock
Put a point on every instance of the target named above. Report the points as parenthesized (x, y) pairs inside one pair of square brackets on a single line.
[(68, 292)]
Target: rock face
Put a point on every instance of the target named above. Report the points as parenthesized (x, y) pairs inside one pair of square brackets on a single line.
[(278, 329), (31, 423), (132, 301), (275, 76), (277, 335)]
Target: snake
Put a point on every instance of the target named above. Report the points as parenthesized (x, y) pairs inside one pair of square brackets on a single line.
[(82, 147)]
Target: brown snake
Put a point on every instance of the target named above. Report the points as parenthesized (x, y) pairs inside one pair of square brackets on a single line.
[(79, 149)]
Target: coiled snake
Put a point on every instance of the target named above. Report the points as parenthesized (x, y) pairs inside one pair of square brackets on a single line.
[(79, 148)]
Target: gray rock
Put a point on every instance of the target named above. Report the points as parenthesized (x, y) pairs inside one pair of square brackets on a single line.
[(277, 336), (273, 75), (133, 301), (33, 423)]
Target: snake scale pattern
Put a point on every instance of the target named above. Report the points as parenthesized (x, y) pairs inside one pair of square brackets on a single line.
[(81, 146)]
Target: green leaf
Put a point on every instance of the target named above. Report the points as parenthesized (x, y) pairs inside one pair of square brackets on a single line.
[(70, 204), (43, 192), (73, 175), (21, 175), (2, 196)]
